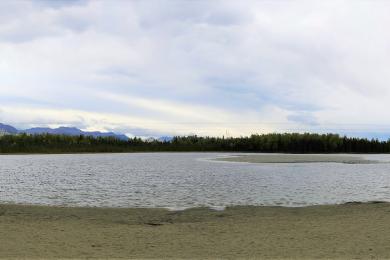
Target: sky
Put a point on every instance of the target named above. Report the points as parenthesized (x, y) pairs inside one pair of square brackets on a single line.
[(233, 68)]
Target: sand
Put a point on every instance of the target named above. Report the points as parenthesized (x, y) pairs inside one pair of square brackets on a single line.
[(296, 158), (338, 231)]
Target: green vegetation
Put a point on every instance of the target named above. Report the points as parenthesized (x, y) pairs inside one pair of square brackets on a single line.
[(286, 143)]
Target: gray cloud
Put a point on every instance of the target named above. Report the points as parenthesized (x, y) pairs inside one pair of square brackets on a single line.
[(304, 118), (244, 62)]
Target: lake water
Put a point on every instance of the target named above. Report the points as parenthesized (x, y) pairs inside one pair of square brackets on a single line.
[(182, 180)]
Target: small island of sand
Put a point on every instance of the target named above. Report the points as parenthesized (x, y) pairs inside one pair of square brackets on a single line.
[(296, 158)]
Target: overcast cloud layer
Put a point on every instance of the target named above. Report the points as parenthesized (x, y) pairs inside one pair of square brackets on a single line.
[(196, 67)]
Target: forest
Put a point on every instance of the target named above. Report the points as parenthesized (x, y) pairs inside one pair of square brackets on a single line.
[(270, 143)]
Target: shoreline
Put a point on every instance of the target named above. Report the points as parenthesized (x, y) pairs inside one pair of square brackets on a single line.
[(351, 230), (228, 152), (181, 209)]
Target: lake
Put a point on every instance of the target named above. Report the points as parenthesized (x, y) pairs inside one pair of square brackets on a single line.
[(182, 180)]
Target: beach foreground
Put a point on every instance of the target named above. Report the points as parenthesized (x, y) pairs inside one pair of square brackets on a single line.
[(352, 230)]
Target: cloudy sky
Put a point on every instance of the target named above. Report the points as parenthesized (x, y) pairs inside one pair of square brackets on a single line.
[(154, 67)]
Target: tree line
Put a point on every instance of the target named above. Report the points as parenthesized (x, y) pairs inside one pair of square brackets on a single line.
[(271, 143)]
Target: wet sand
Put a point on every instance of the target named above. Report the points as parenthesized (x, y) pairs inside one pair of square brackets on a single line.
[(296, 158), (337, 231)]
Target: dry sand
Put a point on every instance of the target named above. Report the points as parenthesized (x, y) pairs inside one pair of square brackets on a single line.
[(339, 231), (295, 158)]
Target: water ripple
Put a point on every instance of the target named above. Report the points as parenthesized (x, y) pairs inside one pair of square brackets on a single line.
[(182, 180)]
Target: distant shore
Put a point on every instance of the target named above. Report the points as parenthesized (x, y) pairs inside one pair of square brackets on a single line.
[(354, 230), (306, 143), (236, 156)]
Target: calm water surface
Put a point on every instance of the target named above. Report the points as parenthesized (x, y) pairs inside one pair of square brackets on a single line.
[(181, 180)]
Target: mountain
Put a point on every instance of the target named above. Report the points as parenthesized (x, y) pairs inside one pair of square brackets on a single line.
[(107, 134), (7, 129), (165, 138), (55, 131), (71, 131)]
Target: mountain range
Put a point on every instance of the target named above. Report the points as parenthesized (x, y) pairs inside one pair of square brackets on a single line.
[(7, 129), (72, 131)]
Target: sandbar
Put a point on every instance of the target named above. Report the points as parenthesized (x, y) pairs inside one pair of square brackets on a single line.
[(296, 158)]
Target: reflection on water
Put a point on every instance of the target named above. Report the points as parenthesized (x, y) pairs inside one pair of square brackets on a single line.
[(181, 180)]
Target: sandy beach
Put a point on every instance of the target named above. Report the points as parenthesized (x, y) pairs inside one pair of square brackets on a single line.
[(339, 231)]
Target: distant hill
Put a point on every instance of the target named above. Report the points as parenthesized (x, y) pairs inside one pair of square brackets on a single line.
[(165, 138), (7, 129), (72, 131), (58, 131)]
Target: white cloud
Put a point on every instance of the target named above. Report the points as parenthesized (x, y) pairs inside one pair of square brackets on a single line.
[(32, 116), (203, 67)]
